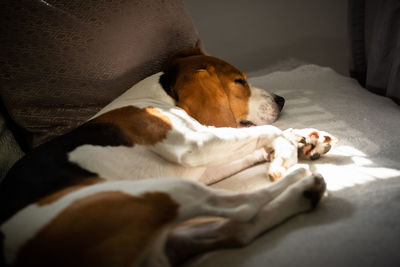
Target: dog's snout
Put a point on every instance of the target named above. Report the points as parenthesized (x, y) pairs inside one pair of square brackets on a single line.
[(280, 101)]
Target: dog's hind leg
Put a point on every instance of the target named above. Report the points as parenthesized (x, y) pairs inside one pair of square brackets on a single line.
[(193, 238), (197, 200)]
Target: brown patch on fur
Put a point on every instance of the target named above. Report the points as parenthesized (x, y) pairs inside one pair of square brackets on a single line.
[(206, 100), (59, 194), (104, 229), (314, 134), (327, 139), (145, 126), (210, 90)]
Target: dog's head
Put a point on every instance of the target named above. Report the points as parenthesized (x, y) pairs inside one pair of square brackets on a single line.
[(215, 93)]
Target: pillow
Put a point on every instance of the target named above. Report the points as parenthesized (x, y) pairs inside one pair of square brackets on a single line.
[(62, 61)]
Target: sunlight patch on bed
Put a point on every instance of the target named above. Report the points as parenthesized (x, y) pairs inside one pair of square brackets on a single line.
[(345, 166)]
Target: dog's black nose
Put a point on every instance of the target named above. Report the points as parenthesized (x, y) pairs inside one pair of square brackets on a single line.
[(280, 101)]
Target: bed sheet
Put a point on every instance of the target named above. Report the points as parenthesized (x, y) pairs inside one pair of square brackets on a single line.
[(358, 224)]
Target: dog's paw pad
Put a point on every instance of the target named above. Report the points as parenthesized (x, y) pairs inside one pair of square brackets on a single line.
[(314, 135), (312, 143), (316, 190), (282, 155)]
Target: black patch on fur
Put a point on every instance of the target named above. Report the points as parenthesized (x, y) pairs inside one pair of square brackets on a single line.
[(168, 80), (46, 169)]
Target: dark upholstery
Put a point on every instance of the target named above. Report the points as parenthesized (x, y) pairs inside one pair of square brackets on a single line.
[(62, 61)]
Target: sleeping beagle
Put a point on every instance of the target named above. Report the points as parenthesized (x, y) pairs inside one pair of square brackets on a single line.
[(105, 193)]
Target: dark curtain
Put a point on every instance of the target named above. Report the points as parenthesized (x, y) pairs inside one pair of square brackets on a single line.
[(374, 34)]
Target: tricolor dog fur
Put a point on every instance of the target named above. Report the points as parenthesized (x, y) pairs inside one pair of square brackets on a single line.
[(106, 194)]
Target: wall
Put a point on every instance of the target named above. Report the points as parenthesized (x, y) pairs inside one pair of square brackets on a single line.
[(255, 34)]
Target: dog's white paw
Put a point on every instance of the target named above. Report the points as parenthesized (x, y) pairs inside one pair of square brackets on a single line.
[(283, 155), (315, 190), (311, 143), (311, 190), (275, 171)]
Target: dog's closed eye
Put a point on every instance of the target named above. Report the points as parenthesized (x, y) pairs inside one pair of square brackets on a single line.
[(240, 81), (245, 123)]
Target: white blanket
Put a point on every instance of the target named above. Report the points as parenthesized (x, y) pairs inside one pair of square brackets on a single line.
[(358, 224)]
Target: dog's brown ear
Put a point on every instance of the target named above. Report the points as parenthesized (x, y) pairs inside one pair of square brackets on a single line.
[(195, 51), (171, 69), (204, 98)]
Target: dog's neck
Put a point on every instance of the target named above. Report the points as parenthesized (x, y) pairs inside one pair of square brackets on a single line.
[(145, 93)]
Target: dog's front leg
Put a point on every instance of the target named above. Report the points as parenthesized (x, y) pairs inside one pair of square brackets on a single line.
[(283, 153), (227, 150), (193, 145), (216, 173)]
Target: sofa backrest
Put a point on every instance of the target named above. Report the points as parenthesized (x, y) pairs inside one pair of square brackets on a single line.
[(62, 61)]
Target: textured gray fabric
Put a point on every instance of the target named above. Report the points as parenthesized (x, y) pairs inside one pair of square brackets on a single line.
[(10, 151), (62, 61)]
